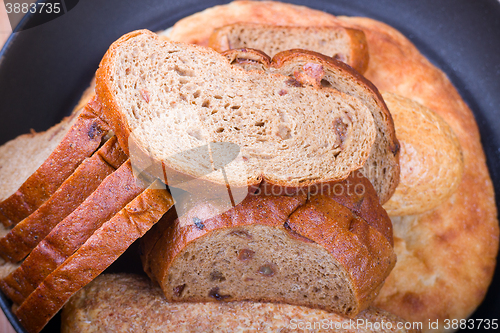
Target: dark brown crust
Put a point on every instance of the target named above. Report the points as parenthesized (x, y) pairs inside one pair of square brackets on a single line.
[(100, 250), (359, 51), (365, 252), (111, 196), (25, 236), (80, 142)]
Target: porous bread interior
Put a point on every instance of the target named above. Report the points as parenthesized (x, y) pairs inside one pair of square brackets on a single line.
[(177, 97), (305, 273), (331, 41), (22, 156)]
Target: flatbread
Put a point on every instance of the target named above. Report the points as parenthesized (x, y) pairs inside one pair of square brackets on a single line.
[(447, 256)]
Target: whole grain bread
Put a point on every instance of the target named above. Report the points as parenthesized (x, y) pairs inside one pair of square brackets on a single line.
[(132, 303), (47, 159), (431, 158), (382, 166), (170, 97), (344, 44), (303, 249), (99, 251), (115, 191), (26, 235)]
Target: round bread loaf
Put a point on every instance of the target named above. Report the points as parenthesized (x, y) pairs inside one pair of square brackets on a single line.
[(431, 158)]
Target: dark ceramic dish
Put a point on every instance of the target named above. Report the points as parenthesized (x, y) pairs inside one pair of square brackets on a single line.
[(44, 70)]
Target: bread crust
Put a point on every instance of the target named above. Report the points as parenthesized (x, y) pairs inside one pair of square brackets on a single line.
[(99, 251), (360, 246), (24, 237), (108, 303), (111, 196), (81, 141)]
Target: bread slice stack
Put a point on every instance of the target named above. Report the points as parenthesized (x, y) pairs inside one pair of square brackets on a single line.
[(285, 131)]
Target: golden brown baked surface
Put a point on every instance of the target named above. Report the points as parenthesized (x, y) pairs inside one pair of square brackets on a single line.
[(446, 257), (431, 158), (132, 303)]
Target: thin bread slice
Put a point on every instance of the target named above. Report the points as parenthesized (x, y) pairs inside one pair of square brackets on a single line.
[(111, 300), (47, 159), (382, 166), (344, 44), (171, 97), (117, 190), (99, 251), (307, 250), (26, 235)]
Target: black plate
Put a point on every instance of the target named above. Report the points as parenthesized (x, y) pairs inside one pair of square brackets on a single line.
[(44, 70)]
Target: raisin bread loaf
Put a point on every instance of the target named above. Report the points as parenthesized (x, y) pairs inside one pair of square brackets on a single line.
[(382, 166), (132, 303), (170, 97), (431, 158), (344, 44), (19, 242), (99, 251), (303, 249)]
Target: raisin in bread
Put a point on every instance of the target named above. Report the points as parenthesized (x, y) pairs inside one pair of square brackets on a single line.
[(19, 242), (431, 158), (307, 250), (170, 97), (132, 303), (344, 44)]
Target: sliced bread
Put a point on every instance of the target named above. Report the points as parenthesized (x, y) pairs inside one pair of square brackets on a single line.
[(171, 97), (382, 166), (310, 251), (99, 251), (431, 158), (117, 190), (26, 235), (33, 166), (344, 44), (132, 303)]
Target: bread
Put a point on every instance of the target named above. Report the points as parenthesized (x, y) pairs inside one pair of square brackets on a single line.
[(19, 242), (297, 250), (48, 159), (446, 257), (131, 303), (262, 113), (117, 190), (431, 158), (99, 251), (382, 166), (344, 44)]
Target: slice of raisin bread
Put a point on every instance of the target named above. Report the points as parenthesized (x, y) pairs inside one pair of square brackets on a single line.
[(382, 166), (132, 303), (33, 166), (25, 236), (307, 250), (99, 251), (344, 44), (116, 191), (171, 97)]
